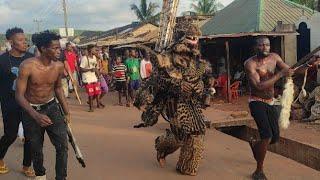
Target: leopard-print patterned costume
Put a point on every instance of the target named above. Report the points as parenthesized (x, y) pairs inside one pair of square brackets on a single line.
[(162, 94)]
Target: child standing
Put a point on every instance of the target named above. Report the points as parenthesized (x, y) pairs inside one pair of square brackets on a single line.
[(119, 71)]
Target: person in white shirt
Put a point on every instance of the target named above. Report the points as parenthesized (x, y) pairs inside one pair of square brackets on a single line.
[(90, 74), (145, 67)]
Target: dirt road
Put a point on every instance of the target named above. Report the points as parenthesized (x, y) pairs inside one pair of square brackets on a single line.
[(113, 150)]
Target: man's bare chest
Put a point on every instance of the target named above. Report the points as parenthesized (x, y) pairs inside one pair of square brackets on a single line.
[(266, 69), (44, 76)]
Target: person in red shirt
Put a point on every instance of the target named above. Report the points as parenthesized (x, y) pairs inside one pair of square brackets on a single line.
[(71, 58)]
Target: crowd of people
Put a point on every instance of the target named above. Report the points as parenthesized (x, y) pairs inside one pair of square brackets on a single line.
[(93, 69), (36, 80)]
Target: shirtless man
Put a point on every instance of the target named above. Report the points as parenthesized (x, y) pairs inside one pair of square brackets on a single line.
[(262, 75), (38, 86)]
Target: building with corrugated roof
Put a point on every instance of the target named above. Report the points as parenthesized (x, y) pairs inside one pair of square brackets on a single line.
[(242, 16)]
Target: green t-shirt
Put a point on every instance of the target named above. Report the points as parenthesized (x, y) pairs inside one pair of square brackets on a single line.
[(133, 66)]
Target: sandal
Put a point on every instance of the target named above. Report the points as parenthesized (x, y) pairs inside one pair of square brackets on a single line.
[(29, 172), (4, 169)]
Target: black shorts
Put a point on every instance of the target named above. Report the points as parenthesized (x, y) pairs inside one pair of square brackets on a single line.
[(266, 117), (121, 86)]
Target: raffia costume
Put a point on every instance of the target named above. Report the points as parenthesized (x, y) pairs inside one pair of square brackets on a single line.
[(162, 94), (311, 104)]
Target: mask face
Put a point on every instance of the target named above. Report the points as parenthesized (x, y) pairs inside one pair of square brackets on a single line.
[(192, 40)]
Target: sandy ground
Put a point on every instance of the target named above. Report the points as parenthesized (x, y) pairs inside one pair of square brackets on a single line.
[(113, 150)]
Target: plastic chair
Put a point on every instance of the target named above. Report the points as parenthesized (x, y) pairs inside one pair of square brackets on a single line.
[(234, 88)]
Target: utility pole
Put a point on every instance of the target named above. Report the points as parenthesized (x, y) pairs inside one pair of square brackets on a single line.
[(37, 21), (65, 16)]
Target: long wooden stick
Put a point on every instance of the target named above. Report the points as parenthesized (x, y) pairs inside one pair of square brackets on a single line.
[(305, 59), (75, 89)]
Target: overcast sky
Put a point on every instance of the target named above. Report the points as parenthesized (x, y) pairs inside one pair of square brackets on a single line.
[(83, 14)]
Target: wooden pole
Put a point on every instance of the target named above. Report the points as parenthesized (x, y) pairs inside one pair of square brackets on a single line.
[(75, 88), (228, 70), (283, 55), (64, 4)]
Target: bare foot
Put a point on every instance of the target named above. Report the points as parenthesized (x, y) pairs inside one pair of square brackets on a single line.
[(161, 160), (259, 175)]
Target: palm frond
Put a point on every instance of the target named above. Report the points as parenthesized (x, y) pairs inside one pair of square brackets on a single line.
[(137, 11), (206, 7), (143, 7), (146, 12)]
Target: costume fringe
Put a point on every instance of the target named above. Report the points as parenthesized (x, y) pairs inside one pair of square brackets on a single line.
[(286, 102)]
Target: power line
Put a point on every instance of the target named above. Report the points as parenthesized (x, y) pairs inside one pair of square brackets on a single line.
[(53, 10), (48, 8), (37, 21)]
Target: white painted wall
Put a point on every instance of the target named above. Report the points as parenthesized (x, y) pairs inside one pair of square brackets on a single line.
[(290, 51), (315, 31)]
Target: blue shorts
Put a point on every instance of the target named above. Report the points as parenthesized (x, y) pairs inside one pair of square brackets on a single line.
[(134, 84)]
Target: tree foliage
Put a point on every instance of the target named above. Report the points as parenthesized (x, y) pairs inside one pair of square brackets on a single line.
[(146, 12), (312, 4), (206, 7)]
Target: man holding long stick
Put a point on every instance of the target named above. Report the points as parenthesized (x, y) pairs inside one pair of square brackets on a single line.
[(38, 86), (262, 75)]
